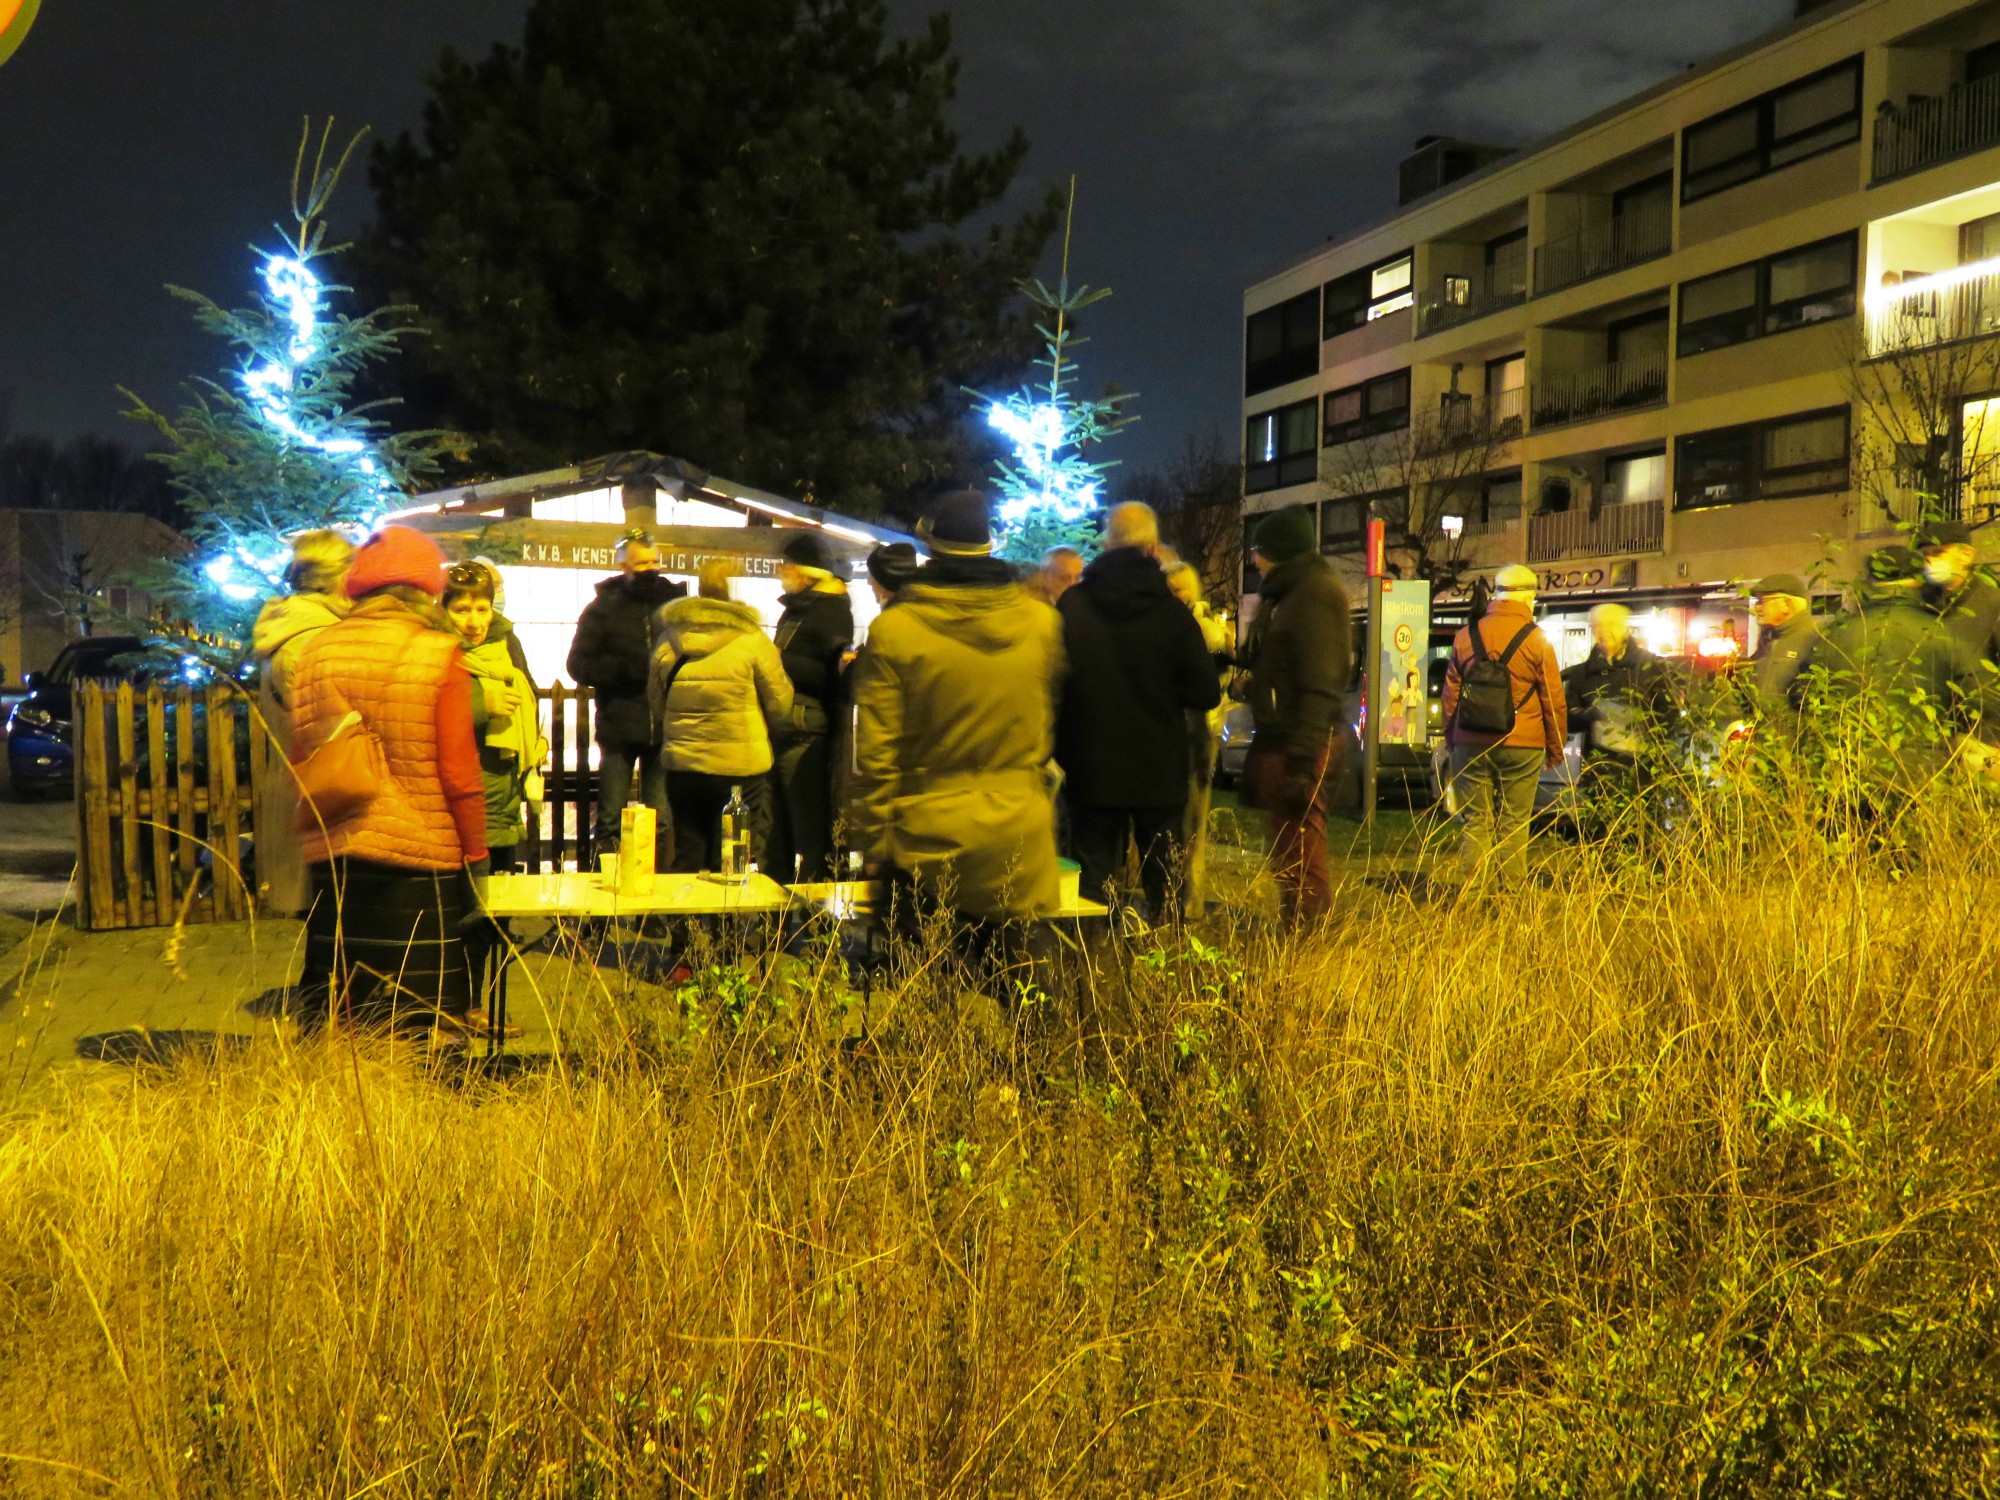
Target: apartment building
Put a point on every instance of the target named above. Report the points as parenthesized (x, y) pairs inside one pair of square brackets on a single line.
[(1672, 348)]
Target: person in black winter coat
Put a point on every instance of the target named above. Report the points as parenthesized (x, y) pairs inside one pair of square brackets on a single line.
[(1621, 694), (1138, 665), (814, 633), (612, 653)]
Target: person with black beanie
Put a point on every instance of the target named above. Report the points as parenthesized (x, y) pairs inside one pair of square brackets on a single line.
[(613, 654), (814, 632)]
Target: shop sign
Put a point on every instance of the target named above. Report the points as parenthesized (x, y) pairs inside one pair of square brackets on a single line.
[(604, 559), (1617, 575)]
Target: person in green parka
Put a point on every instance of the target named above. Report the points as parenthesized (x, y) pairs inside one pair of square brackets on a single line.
[(505, 714)]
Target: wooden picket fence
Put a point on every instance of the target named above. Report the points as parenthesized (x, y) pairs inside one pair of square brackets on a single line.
[(561, 837), (166, 783), (168, 814)]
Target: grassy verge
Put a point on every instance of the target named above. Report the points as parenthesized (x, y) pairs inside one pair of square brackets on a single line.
[(1676, 1178)]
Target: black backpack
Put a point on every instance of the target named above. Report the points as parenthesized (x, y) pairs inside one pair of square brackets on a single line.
[(1486, 688)]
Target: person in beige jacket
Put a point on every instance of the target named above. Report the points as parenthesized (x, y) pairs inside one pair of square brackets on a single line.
[(955, 727), (313, 600), (717, 686)]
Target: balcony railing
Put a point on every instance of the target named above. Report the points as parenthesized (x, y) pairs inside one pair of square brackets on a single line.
[(1463, 298), (1639, 234), (1606, 388), (1925, 131), (1933, 310), (1465, 420), (1616, 530)]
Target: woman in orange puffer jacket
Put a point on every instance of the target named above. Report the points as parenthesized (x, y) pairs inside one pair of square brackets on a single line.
[(389, 881)]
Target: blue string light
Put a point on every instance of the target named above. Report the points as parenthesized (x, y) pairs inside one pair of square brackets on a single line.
[(297, 297), (1042, 479)]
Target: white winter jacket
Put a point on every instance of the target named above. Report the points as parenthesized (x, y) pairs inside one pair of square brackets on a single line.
[(731, 686)]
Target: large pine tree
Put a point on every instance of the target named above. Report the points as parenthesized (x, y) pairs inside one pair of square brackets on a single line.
[(726, 229)]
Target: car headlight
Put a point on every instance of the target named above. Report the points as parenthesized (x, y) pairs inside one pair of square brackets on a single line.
[(27, 716)]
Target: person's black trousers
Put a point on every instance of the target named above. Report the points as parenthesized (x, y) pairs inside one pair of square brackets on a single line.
[(1103, 835), (383, 945), (802, 831), (697, 800)]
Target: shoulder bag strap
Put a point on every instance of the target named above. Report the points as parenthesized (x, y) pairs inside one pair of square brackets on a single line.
[(1516, 644)]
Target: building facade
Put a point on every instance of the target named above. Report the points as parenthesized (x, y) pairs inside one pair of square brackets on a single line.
[(1735, 325), (65, 574)]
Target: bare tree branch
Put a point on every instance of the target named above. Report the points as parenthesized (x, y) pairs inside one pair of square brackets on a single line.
[(1426, 480)]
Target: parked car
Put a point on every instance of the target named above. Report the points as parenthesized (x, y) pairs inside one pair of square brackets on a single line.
[(1406, 765), (39, 757)]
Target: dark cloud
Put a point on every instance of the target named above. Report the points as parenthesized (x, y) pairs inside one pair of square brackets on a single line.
[(149, 141)]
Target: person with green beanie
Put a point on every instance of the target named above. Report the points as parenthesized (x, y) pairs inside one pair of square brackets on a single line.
[(1299, 654)]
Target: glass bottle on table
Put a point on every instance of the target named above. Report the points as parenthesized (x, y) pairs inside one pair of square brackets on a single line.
[(735, 836)]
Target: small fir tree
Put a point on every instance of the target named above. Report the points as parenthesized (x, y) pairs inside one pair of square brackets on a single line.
[(282, 448), (1050, 492)]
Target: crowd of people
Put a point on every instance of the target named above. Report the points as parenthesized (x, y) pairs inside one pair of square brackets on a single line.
[(1918, 655), (989, 724)]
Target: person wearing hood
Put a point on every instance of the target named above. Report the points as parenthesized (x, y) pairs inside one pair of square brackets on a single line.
[(1138, 666), (612, 653), (389, 890), (312, 601), (814, 632), (717, 686), (1299, 654), (954, 727), (506, 716)]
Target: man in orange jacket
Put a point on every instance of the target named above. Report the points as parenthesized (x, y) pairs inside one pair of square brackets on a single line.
[(1494, 773)]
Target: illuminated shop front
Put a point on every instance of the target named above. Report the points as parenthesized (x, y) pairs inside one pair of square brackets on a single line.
[(553, 537)]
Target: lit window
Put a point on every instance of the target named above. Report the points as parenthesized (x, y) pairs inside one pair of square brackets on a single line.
[(1363, 296), (1386, 281), (1281, 447)]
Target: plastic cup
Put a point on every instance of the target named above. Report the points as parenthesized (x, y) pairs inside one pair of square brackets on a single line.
[(607, 871)]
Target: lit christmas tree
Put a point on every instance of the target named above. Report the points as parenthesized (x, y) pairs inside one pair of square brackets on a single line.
[(282, 449), (1050, 493)]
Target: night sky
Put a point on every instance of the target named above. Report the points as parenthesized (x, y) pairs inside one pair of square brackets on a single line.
[(149, 141)]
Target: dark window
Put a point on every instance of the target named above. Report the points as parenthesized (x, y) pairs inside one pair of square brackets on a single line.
[(1718, 310), (1802, 455), (1502, 500), (1784, 126), (1507, 265), (1982, 62), (1367, 295), (1812, 284), (1281, 344), (1343, 525), (1979, 240), (1654, 195), (1281, 447), (1638, 338), (1375, 406)]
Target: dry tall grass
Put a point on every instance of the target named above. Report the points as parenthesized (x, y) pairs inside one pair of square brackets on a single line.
[(1676, 1178)]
